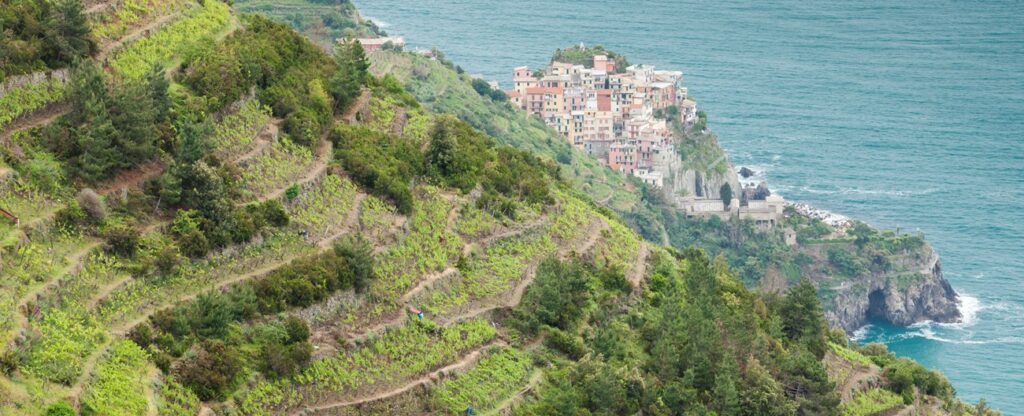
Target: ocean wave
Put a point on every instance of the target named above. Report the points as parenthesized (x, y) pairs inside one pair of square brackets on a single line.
[(861, 333), (858, 191), (380, 23), (929, 334)]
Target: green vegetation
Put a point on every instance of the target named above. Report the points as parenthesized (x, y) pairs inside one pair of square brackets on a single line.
[(138, 58), (40, 34), (234, 134), (871, 402), (114, 23), (118, 386), (28, 98), (582, 55), (497, 376), (322, 20), (109, 131), (137, 282), (411, 349)]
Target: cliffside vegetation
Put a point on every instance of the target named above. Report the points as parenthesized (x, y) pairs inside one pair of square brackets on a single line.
[(245, 224)]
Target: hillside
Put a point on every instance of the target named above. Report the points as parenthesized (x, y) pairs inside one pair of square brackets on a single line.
[(901, 271), (214, 216)]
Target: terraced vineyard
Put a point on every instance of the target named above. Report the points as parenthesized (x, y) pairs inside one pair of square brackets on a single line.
[(313, 241)]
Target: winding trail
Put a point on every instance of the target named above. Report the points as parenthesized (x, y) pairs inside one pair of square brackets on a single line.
[(427, 379), (535, 378), (132, 177), (75, 263), (860, 375), (106, 291), (43, 116), (360, 104), (398, 123), (266, 137), (429, 281), (323, 244), (112, 47), (636, 275), (318, 168)]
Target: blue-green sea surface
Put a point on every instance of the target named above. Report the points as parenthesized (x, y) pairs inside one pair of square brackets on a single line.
[(901, 114)]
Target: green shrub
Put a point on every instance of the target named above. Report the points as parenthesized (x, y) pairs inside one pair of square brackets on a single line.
[(60, 408), (211, 371)]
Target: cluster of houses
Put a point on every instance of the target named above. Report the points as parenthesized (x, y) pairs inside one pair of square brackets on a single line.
[(616, 115), (622, 117)]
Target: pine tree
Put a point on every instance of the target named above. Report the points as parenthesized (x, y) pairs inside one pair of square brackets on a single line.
[(68, 31), (803, 319)]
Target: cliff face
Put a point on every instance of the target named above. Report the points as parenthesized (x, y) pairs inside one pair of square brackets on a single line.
[(901, 298)]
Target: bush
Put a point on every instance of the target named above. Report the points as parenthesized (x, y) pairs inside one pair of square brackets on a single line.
[(71, 216), (286, 360), (61, 408), (92, 204), (122, 240), (211, 371), (298, 330)]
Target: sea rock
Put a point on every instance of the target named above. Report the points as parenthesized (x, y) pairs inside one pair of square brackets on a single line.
[(896, 299), (745, 172)]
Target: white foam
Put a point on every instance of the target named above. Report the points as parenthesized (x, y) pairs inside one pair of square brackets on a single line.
[(860, 333), (380, 23), (969, 308)]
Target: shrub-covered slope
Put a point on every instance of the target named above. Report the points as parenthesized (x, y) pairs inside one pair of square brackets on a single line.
[(248, 225)]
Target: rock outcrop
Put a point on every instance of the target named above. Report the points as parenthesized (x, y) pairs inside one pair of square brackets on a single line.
[(900, 299)]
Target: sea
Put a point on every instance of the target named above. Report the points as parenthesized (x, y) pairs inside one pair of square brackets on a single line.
[(906, 115)]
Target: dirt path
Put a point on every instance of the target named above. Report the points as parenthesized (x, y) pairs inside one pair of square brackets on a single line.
[(90, 365), (106, 291), (99, 7), (535, 378), (466, 361), (636, 275), (429, 281), (319, 167), (853, 383), (132, 177), (144, 315), (40, 117), (360, 104), (112, 47), (75, 263), (348, 226), (593, 234), (151, 390), (398, 123), (266, 137)]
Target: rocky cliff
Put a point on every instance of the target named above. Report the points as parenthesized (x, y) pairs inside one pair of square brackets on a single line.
[(903, 298)]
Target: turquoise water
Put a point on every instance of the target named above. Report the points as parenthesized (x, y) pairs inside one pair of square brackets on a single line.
[(902, 115)]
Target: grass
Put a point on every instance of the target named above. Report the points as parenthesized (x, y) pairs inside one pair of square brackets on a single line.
[(376, 216), (234, 134), (504, 263), (429, 247), (497, 376), (412, 349), (140, 295), (117, 387), (322, 209), (871, 402), (29, 98), (617, 249), (849, 354), (159, 49), (282, 164), (115, 22)]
